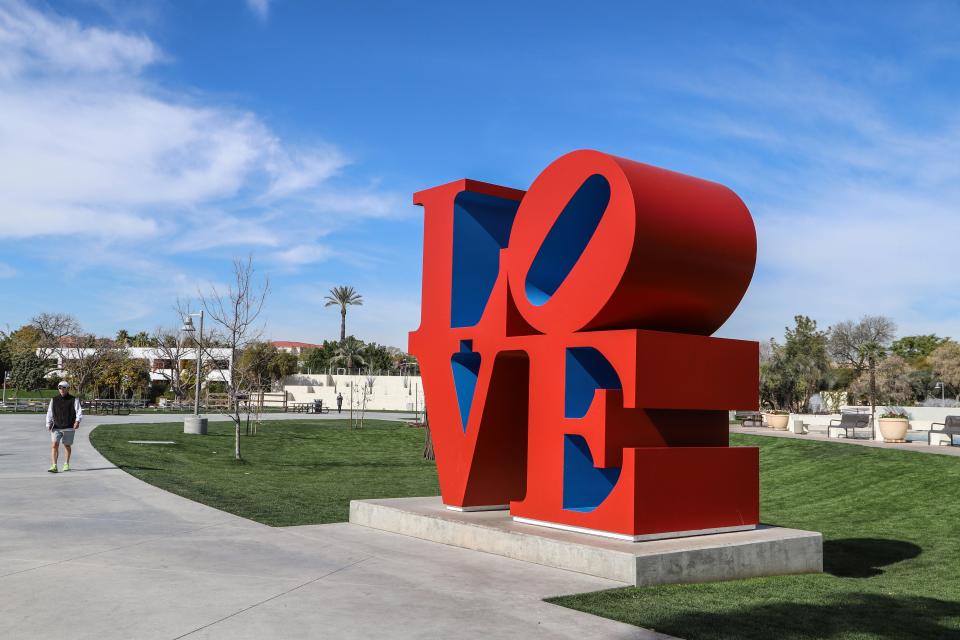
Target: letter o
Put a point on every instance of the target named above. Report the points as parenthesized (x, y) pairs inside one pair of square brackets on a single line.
[(601, 242)]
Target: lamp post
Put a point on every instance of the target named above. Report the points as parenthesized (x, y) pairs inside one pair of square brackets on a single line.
[(196, 424), (943, 393)]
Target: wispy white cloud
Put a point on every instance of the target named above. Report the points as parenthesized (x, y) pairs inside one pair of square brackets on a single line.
[(260, 8), (34, 42), (302, 254), (89, 147), (856, 204)]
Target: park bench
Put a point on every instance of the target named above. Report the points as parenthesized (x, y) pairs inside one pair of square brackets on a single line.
[(743, 417), (951, 427), (308, 407), (106, 407), (850, 422)]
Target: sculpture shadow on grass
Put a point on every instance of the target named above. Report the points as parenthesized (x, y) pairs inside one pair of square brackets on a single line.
[(863, 557), (860, 615)]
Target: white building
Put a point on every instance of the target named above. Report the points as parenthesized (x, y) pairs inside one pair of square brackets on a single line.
[(161, 367), (296, 348)]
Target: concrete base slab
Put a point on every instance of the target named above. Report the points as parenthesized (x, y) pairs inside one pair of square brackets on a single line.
[(764, 551)]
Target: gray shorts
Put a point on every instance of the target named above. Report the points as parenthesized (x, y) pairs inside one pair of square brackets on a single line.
[(62, 435)]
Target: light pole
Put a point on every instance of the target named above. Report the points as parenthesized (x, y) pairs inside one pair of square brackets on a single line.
[(943, 393), (197, 424)]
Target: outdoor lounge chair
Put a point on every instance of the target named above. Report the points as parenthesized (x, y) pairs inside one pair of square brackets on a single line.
[(850, 422), (951, 427)]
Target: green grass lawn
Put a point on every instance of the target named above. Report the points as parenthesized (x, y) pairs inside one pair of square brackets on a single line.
[(891, 525), (293, 472)]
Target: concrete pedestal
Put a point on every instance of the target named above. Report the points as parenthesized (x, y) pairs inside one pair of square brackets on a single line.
[(765, 551), (195, 425)]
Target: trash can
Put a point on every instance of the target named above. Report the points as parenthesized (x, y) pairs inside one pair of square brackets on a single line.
[(195, 425)]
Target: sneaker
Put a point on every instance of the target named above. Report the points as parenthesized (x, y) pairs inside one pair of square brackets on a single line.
[(66, 467), (53, 468)]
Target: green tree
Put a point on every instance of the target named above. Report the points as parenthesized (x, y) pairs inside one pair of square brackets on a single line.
[(283, 364), (141, 339), (134, 377), (349, 353), (5, 355), (319, 359), (24, 339), (945, 362), (343, 297), (264, 363), (377, 357), (915, 349), (792, 372), (123, 338), (27, 371), (107, 375)]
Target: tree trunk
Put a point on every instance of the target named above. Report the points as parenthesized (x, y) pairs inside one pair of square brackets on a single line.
[(873, 396), (343, 324), (428, 453)]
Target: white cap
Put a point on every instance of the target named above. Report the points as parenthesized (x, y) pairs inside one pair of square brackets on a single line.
[(64, 384)]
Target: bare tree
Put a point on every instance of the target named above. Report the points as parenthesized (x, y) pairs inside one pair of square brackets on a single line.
[(82, 356), (56, 331), (235, 313), (62, 336), (170, 349), (367, 393), (861, 345)]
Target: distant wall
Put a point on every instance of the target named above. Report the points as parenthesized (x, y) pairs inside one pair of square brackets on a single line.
[(386, 393)]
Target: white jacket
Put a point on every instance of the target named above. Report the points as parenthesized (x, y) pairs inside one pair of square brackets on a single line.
[(76, 406)]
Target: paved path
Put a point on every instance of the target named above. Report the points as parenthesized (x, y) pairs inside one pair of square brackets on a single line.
[(96, 553), (917, 447)]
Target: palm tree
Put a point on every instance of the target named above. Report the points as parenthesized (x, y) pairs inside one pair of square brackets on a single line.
[(349, 352), (343, 296)]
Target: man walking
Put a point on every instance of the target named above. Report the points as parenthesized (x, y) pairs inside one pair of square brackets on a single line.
[(339, 402), (63, 419)]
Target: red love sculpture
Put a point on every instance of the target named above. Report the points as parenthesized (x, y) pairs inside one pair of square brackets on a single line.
[(565, 353)]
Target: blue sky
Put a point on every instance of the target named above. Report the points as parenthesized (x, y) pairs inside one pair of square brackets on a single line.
[(144, 145)]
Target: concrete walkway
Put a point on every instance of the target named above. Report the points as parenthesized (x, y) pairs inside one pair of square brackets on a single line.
[(916, 447), (96, 553)]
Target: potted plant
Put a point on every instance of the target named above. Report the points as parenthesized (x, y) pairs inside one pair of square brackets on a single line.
[(894, 426), (777, 419)]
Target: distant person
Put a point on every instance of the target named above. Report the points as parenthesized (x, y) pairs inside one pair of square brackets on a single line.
[(339, 402), (63, 419)]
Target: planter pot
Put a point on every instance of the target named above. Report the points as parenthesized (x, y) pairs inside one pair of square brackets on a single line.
[(894, 429), (777, 421)]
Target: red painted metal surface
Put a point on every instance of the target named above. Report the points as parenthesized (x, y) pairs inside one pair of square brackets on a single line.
[(564, 347)]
